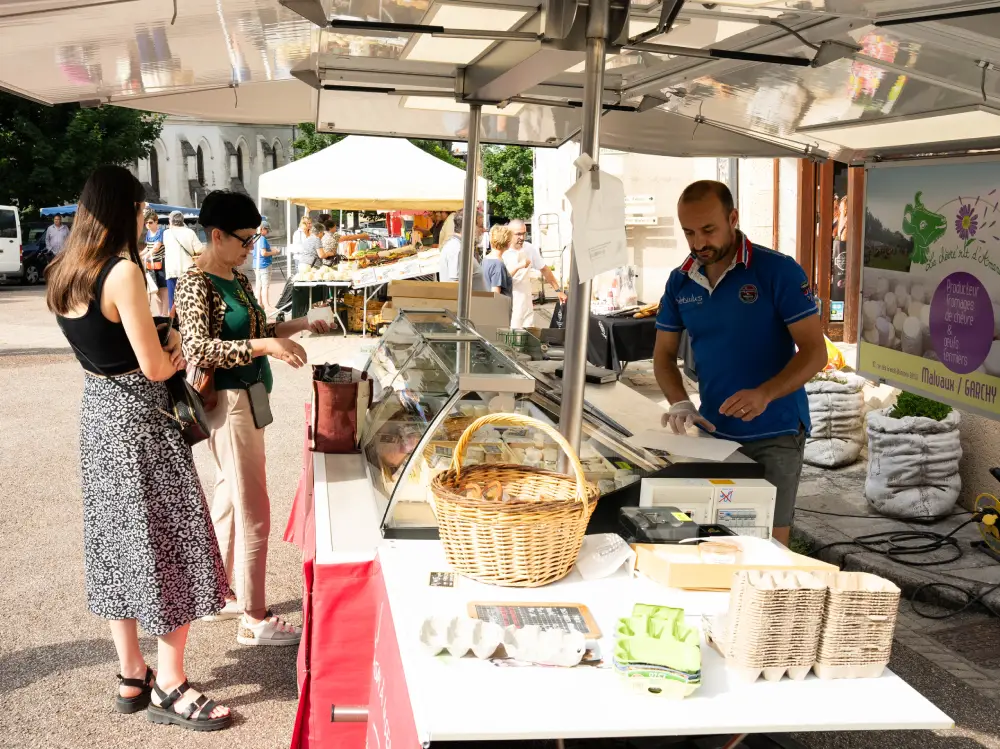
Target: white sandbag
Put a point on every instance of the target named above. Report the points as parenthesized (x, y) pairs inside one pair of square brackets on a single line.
[(913, 465), (836, 409)]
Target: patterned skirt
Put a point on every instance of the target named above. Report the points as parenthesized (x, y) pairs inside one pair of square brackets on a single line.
[(150, 549)]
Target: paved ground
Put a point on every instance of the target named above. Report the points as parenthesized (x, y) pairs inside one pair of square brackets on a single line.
[(57, 663)]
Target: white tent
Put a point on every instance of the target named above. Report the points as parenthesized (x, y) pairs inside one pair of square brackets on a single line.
[(368, 173)]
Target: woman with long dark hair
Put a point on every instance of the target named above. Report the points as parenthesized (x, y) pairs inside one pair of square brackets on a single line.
[(150, 553)]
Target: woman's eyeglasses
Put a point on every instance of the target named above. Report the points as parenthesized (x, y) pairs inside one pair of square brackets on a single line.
[(245, 242)]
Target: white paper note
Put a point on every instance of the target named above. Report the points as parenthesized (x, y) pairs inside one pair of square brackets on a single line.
[(599, 243), (682, 445)]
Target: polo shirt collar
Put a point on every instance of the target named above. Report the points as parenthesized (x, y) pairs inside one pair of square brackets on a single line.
[(743, 255)]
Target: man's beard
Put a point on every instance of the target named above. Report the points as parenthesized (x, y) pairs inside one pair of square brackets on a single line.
[(710, 255)]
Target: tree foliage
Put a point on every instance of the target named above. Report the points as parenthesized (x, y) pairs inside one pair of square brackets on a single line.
[(509, 171), (310, 142), (47, 153)]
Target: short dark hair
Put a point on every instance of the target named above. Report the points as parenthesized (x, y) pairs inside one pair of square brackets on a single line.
[(459, 221), (229, 211), (705, 188)]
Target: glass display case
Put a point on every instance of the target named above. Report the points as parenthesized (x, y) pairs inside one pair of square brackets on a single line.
[(433, 376)]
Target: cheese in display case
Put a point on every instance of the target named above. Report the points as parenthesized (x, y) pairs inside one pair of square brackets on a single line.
[(433, 376)]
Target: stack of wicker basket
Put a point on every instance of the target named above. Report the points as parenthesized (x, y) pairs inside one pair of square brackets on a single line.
[(860, 619), (772, 624)]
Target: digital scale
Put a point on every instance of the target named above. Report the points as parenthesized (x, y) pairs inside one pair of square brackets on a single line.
[(745, 506)]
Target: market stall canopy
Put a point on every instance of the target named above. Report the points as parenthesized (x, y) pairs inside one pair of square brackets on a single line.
[(851, 79), (161, 209), (367, 173)]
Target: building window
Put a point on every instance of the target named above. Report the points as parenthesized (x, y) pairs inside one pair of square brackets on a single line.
[(154, 171), (239, 164), (274, 158), (200, 158)]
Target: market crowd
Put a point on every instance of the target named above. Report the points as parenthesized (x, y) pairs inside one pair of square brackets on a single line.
[(157, 557)]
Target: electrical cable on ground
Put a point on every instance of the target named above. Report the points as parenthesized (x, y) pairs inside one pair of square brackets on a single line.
[(900, 545)]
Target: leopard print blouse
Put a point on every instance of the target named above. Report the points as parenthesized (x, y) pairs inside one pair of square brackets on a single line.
[(201, 340)]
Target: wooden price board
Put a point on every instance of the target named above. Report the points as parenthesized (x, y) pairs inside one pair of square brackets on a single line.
[(565, 616)]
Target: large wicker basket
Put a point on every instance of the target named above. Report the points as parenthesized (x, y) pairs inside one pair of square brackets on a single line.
[(530, 539)]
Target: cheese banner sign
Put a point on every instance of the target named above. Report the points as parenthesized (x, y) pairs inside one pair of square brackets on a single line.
[(931, 282)]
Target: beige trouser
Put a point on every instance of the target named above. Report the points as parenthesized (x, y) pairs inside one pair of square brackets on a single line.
[(241, 509)]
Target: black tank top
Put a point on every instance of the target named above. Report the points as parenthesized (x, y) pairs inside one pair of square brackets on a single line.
[(105, 343)]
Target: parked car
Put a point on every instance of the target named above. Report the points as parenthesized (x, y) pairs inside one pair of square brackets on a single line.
[(35, 257)]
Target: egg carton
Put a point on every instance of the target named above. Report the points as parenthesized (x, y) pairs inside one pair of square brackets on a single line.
[(715, 628), (459, 635)]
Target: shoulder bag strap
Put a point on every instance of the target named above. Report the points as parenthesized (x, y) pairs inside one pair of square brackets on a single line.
[(121, 386)]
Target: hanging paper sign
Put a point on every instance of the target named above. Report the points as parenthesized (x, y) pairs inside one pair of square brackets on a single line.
[(599, 243)]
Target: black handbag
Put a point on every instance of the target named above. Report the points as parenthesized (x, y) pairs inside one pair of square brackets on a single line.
[(186, 407)]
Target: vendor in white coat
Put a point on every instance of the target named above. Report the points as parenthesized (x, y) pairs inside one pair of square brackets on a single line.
[(534, 257), (522, 311)]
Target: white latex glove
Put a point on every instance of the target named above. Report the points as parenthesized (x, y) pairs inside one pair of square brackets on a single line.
[(682, 415)]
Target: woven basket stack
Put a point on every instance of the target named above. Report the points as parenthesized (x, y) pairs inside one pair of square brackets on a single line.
[(839, 625)]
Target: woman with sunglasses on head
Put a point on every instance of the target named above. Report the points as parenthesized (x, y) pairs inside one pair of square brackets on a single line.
[(150, 553), (225, 329), (153, 256)]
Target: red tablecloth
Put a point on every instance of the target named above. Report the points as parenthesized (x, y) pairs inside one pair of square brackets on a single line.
[(338, 640)]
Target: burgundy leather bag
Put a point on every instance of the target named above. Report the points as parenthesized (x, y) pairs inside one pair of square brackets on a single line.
[(338, 411)]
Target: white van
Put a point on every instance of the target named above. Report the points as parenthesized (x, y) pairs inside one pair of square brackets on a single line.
[(10, 241)]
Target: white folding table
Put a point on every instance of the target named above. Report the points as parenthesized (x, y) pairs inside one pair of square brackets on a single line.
[(466, 699)]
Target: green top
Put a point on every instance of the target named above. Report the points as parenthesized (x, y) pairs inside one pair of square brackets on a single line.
[(237, 328)]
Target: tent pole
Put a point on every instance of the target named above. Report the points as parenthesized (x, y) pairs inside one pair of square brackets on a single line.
[(469, 233), (578, 312), (288, 234)]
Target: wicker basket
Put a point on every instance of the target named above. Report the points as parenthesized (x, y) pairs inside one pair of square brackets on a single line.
[(529, 540), (355, 314), (860, 620)]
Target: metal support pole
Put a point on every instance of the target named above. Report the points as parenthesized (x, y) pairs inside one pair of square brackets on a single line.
[(578, 307), (288, 237), (469, 233)]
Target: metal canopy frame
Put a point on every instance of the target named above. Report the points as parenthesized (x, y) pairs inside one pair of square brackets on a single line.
[(742, 79)]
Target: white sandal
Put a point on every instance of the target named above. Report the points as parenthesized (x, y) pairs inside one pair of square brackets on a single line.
[(232, 610), (272, 631)]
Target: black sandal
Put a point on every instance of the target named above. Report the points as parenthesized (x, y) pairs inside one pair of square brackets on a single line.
[(130, 705), (164, 714)]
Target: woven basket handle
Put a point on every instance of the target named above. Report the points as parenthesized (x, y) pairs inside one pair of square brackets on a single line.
[(518, 420)]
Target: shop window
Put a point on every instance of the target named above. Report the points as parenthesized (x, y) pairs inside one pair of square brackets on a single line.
[(838, 255), (200, 159), (154, 171)]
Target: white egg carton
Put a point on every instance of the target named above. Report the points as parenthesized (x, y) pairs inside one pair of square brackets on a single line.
[(460, 634)]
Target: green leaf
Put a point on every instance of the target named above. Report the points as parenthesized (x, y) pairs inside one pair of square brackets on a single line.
[(911, 404), (47, 153)]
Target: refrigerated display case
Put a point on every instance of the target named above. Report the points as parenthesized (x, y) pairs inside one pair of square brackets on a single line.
[(433, 376)]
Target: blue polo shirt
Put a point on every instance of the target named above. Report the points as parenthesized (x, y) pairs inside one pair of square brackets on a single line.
[(739, 334)]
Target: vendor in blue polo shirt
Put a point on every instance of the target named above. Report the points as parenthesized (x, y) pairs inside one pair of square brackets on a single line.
[(746, 308)]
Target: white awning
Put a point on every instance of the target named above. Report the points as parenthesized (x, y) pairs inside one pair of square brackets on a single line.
[(369, 173)]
